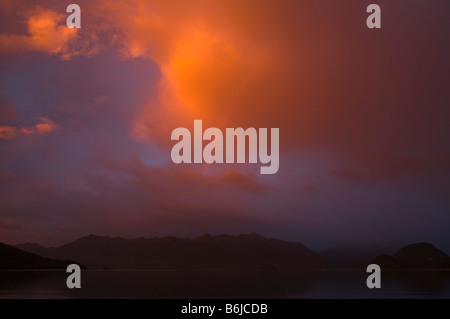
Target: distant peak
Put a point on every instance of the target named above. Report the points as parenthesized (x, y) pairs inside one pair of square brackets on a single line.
[(252, 235), (91, 236), (419, 247), (205, 237), (95, 236)]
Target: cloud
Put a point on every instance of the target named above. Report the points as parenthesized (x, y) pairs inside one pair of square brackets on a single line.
[(310, 189), (245, 182), (47, 33), (7, 132), (208, 69), (10, 225), (45, 126), (231, 65), (7, 111), (371, 167), (66, 229)]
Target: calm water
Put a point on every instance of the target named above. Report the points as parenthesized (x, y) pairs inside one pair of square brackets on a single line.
[(225, 284)]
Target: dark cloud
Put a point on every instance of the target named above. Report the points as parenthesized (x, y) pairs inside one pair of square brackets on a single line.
[(375, 167), (9, 225)]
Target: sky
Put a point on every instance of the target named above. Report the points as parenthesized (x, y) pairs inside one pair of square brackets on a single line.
[(86, 117)]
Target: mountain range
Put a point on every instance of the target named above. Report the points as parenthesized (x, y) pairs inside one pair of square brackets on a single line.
[(206, 252), (213, 252)]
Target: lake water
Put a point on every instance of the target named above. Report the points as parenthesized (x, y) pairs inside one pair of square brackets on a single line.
[(225, 284)]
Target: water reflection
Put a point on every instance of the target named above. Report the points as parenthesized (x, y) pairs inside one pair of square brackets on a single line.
[(225, 284)]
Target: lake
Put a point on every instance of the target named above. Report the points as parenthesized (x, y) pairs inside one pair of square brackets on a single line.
[(225, 284)]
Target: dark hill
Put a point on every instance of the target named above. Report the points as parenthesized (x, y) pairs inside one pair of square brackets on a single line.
[(422, 255), (418, 256), (14, 259), (32, 247), (205, 252)]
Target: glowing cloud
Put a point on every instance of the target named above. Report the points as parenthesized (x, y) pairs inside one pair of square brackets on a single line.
[(44, 127), (8, 132), (47, 33)]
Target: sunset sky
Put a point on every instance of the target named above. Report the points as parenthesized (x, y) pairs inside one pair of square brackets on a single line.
[(86, 117)]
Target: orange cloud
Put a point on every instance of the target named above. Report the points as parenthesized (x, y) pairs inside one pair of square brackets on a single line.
[(222, 62), (44, 127), (7, 132), (48, 33), (242, 63)]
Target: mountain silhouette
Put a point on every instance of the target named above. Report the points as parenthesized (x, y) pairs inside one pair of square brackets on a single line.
[(32, 247), (414, 256), (206, 252), (14, 258)]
